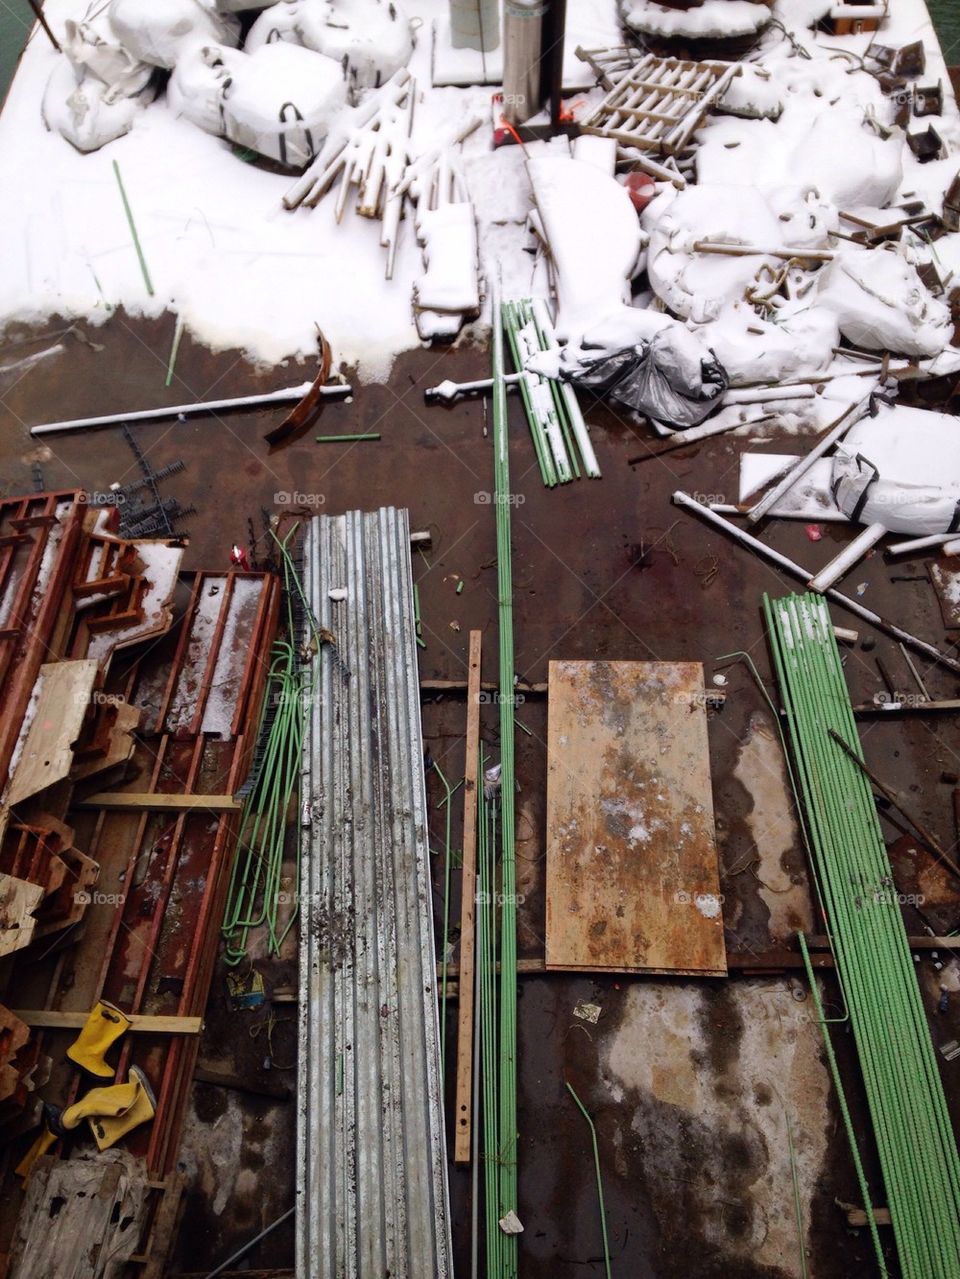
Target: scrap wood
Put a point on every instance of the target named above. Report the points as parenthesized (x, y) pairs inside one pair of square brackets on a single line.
[(52, 726), (51, 1019), (464, 1087)]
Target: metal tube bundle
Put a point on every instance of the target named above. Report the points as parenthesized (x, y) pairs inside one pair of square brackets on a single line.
[(915, 1140), (556, 424)]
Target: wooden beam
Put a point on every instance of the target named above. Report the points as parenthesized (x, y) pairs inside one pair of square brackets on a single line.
[(47, 1019), (157, 803), (463, 1110)]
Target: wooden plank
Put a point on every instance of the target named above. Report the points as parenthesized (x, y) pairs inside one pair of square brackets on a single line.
[(632, 877), (63, 700), (463, 1126), (946, 582), (155, 802), (48, 1019)]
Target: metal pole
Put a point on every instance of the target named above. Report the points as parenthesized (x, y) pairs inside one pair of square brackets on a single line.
[(242, 1252), (791, 566), (38, 14), (285, 396)]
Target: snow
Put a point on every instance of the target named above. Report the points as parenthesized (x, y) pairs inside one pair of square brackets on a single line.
[(240, 271), (712, 18), (582, 206)]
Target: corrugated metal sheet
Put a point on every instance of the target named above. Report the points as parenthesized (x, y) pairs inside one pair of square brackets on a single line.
[(372, 1184)]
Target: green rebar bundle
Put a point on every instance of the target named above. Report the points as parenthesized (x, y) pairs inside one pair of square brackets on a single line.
[(556, 425), (915, 1141), (255, 893)]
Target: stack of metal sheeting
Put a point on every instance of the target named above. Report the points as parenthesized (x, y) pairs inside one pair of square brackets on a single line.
[(372, 1184), (911, 1124)]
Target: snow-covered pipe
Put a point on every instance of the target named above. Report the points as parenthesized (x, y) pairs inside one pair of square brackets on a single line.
[(849, 556), (475, 24), (522, 37), (797, 472)]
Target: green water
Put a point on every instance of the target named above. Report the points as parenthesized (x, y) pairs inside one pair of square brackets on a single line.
[(16, 21), (946, 18)]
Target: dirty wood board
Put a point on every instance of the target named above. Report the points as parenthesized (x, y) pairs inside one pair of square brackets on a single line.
[(632, 874), (63, 699), (946, 582)]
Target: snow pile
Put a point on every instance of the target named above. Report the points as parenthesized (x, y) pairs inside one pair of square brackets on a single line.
[(159, 33), (595, 240), (901, 469), (279, 101), (374, 40), (713, 19), (881, 303)]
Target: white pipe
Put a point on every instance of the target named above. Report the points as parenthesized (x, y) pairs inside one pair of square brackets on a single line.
[(805, 464), (286, 396), (920, 543), (796, 570), (849, 556), (759, 394), (952, 547)]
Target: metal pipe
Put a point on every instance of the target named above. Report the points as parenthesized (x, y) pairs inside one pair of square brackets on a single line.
[(790, 566), (805, 464), (247, 1247), (284, 396)]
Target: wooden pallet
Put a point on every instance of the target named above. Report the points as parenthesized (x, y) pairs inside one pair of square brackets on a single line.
[(654, 104)]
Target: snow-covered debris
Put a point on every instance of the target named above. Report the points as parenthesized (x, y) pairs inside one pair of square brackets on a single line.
[(900, 469), (372, 37), (754, 94), (595, 240), (881, 303), (280, 101), (713, 19), (698, 285), (86, 111), (160, 33)]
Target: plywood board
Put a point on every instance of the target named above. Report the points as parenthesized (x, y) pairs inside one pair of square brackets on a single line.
[(632, 875), (63, 699)]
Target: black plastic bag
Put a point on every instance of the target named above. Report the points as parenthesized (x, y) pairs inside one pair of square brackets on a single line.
[(645, 378)]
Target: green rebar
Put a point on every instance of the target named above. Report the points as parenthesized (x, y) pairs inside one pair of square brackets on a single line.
[(915, 1140), (360, 435), (507, 317), (596, 1164), (133, 230), (507, 1146)]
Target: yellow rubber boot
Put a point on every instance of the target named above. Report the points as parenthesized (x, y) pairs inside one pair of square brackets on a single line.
[(108, 1129), (110, 1102), (103, 1028), (39, 1148)]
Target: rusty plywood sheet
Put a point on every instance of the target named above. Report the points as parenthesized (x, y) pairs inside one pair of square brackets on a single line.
[(632, 877)]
